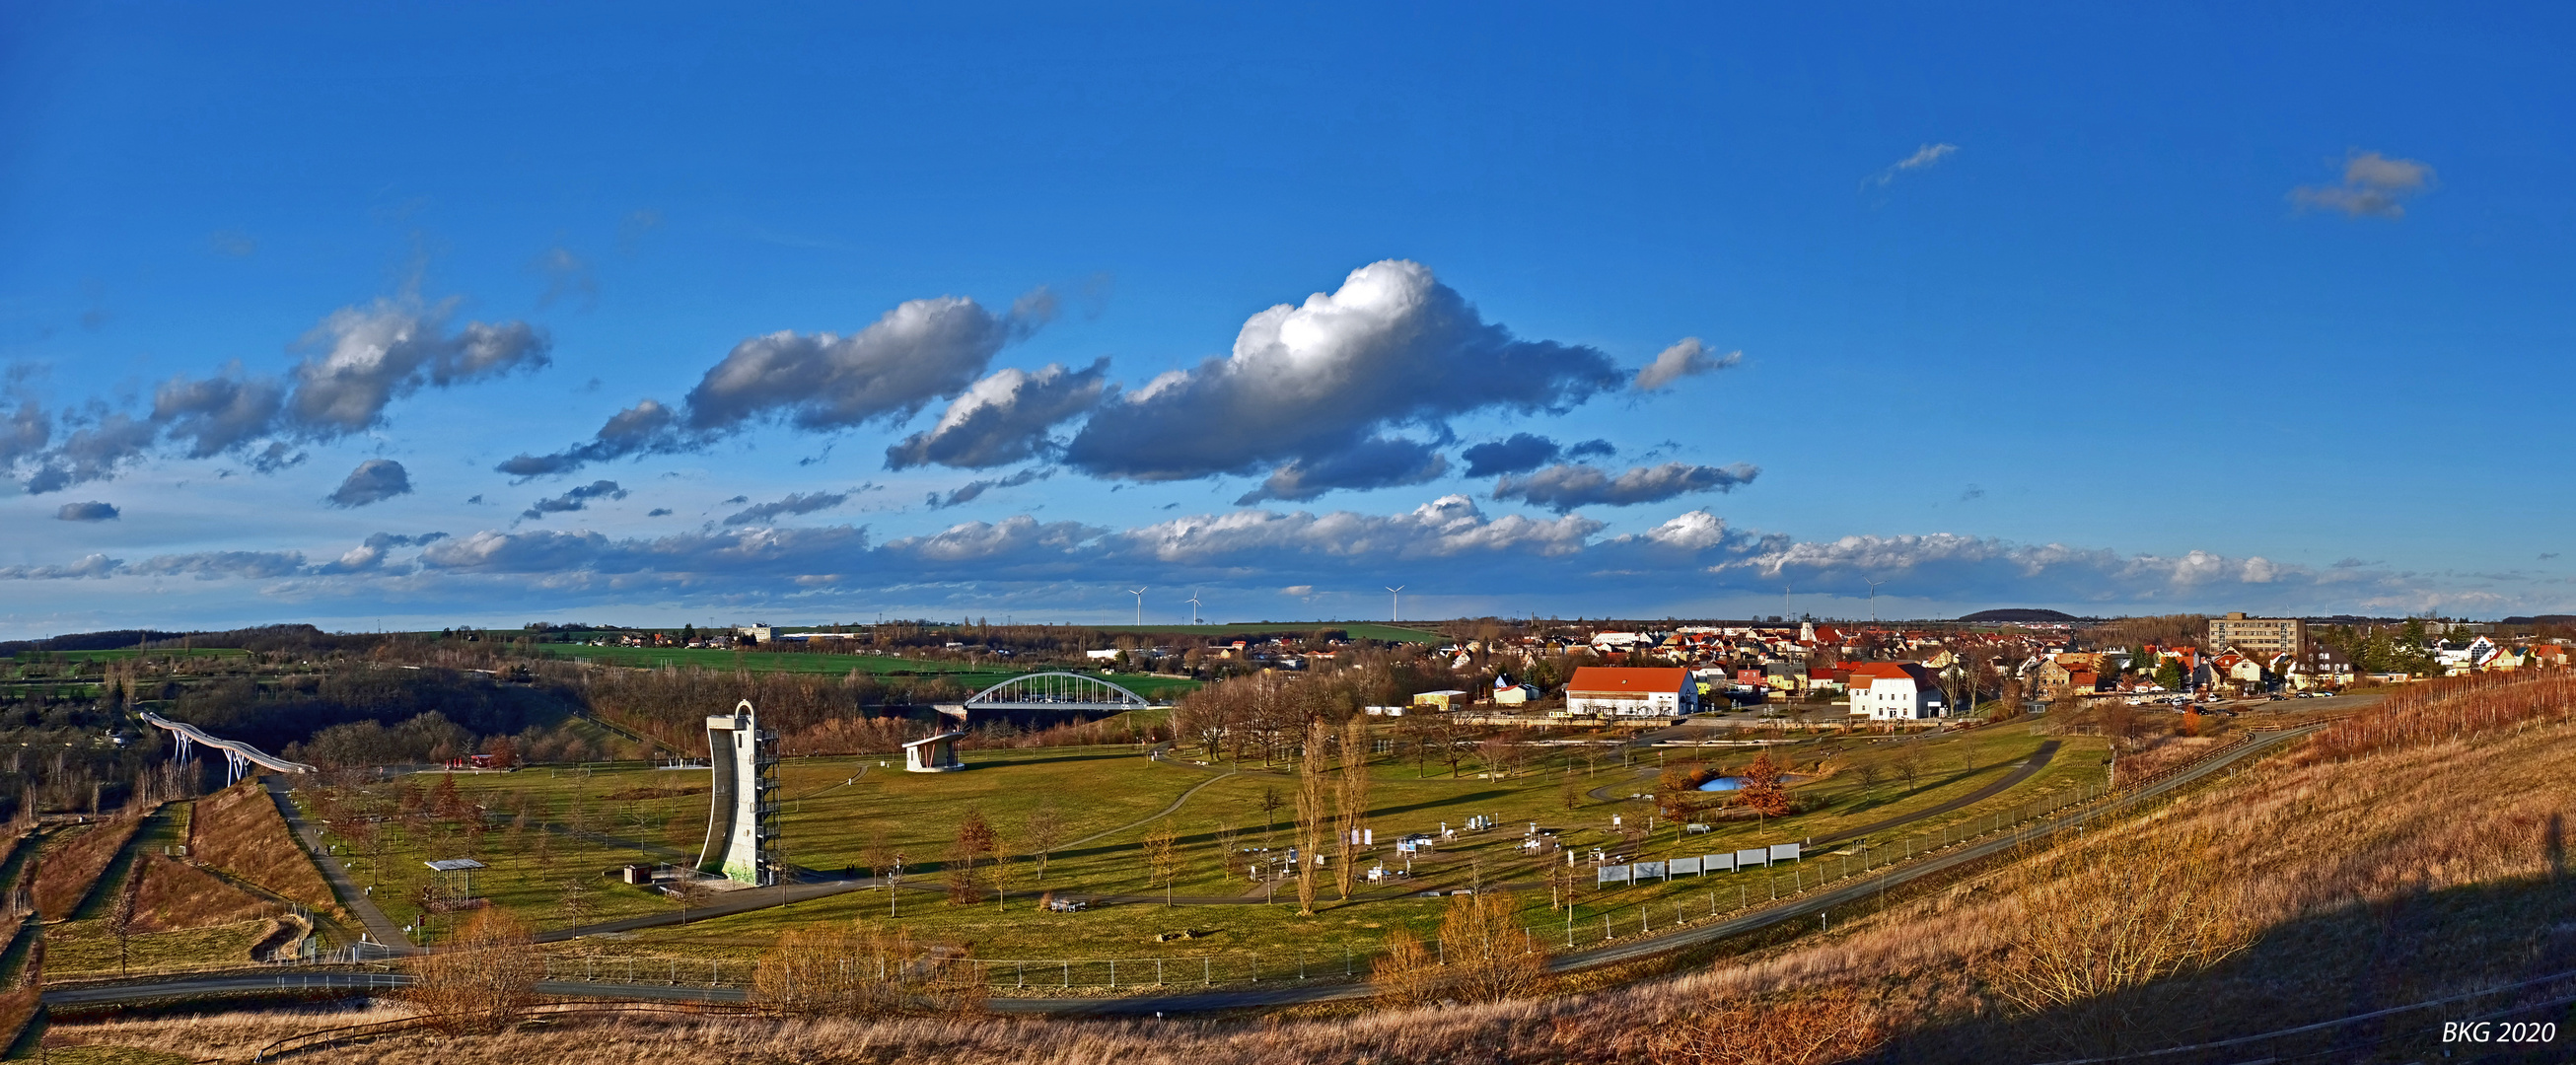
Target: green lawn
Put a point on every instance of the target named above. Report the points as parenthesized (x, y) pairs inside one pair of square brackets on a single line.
[(87, 948), (834, 809), (123, 653)]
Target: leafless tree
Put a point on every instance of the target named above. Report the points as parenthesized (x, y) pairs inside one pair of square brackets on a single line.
[(1044, 831), (1351, 800), (1163, 857), (483, 980), (1313, 787)]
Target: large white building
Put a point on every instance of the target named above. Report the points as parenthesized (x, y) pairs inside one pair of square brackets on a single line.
[(1630, 691), (1896, 691)]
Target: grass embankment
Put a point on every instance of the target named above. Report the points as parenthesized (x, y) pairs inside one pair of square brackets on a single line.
[(184, 916), (73, 861), (239, 831)]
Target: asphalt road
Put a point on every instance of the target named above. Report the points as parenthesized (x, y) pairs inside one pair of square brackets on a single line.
[(1803, 907)]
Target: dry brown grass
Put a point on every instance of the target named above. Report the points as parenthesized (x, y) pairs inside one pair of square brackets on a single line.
[(239, 831), (174, 895), (2408, 863), (68, 868)]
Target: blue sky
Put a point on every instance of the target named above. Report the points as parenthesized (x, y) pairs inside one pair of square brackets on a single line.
[(2107, 310)]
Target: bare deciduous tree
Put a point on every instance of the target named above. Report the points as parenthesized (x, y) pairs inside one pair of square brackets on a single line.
[(1044, 831), (1351, 796), (1163, 857), (843, 971), (483, 980), (1312, 816), (1483, 955)]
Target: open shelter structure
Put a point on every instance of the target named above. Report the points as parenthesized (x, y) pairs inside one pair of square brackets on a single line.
[(933, 754)]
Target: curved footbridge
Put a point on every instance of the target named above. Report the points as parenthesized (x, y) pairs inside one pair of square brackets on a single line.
[(238, 756)]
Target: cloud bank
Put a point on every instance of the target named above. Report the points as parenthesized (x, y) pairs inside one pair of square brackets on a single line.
[(1314, 392), (919, 352), (357, 362), (1447, 546), (1564, 487), (795, 503), (575, 499)]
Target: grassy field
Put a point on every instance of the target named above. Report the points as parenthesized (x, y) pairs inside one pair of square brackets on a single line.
[(838, 812), (971, 676), (2358, 875), (124, 653), (88, 948), (1357, 630)]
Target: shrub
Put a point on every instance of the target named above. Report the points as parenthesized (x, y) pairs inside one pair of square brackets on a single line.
[(864, 971), (483, 980)]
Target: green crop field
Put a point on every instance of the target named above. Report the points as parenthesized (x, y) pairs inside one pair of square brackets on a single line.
[(844, 812), (973, 677), (124, 653)]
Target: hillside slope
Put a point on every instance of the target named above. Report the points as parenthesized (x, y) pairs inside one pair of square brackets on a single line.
[(2412, 852)]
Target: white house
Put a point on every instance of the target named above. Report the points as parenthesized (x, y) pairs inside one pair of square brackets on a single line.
[(1896, 691), (1629, 691)]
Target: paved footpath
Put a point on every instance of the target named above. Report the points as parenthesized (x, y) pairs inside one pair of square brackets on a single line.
[(380, 928)]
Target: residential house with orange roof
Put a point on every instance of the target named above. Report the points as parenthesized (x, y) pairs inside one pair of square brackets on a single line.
[(1631, 691)]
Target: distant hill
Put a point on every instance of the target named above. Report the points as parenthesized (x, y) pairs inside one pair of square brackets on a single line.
[(2019, 615)]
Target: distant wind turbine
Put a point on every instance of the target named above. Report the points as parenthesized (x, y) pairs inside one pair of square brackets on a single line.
[(1873, 599), (1194, 607), (1139, 593), (1395, 612)]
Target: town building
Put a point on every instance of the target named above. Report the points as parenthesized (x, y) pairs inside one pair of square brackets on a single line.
[(1629, 691), (1896, 691), (1444, 699), (2258, 637)]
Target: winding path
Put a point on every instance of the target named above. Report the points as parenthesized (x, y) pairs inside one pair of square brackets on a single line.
[(1166, 811), (2030, 767)]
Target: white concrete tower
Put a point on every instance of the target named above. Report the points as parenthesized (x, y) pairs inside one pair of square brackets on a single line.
[(742, 814)]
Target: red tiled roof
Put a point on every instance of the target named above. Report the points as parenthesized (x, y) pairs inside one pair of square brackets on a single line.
[(1625, 680)]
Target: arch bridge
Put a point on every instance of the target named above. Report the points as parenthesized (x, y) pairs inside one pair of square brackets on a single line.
[(238, 756), (1056, 691)]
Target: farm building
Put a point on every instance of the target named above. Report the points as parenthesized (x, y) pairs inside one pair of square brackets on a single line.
[(1631, 691)]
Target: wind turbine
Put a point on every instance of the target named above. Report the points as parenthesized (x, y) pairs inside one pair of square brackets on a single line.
[(1139, 593), (1396, 611), (1194, 606), (1873, 599)]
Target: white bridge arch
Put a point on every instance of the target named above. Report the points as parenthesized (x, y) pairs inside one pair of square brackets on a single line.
[(1056, 691)]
